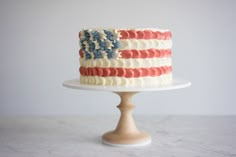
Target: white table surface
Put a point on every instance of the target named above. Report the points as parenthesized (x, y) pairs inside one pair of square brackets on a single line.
[(80, 136)]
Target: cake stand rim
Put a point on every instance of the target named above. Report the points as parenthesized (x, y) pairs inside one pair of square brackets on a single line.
[(176, 83)]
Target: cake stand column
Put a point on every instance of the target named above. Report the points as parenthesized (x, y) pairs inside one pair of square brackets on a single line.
[(126, 132)]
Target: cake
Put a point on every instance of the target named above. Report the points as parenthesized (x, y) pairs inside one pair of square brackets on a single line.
[(125, 57)]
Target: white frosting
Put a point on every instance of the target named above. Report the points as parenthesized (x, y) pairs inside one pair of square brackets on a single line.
[(142, 44), (122, 81), (126, 63)]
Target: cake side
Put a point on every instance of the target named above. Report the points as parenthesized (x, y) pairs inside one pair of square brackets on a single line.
[(125, 57)]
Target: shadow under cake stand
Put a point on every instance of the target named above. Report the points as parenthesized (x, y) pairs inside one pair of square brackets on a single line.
[(126, 132)]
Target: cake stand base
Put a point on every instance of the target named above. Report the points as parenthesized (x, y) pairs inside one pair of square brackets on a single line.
[(126, 133), (134, 140)]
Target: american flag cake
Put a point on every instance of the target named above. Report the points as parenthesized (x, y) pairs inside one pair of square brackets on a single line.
[(125, 57)]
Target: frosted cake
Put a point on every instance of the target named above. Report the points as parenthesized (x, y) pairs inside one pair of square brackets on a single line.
[(125, 57)]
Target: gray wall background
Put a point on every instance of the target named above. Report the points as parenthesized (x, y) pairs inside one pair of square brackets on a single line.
[(39, 50)]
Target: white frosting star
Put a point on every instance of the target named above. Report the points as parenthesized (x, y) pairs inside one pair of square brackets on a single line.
[(82, 34), (86, 45), (109, 44), (92, 55), (117, 54), (102, 34), (104, 55), (97, 46), (117, 34)]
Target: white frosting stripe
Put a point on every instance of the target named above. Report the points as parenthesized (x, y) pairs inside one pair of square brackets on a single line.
[(121, 81), (127, 63), (142, 44)]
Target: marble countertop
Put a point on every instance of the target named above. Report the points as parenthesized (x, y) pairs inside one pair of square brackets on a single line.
[(80, 136)]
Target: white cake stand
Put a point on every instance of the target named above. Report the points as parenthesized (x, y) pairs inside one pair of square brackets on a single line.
[(126, 134)]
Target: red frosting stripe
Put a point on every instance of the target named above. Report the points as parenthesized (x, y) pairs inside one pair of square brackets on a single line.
[(90, 72), (81, 70), (94, 71), (106, 72), (132, 33), (145, 34), (167, 35), (125, 72), (149, 53), (129, 73), (156, 71), (81, 53), (124, 34), (99, 71), (137, 72), (143, 54), (140, 34), (136, 53), (126, 54), (121, 72), (114, 71), (80, 34), (145, 71), (148, 34)]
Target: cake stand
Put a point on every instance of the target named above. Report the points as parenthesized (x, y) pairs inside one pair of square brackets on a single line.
[(126, 134)]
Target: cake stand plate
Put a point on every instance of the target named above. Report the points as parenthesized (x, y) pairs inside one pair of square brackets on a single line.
[(175, 84), (126, 133)]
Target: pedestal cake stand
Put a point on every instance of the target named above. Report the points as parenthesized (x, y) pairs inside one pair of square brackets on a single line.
[(126, 134)]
